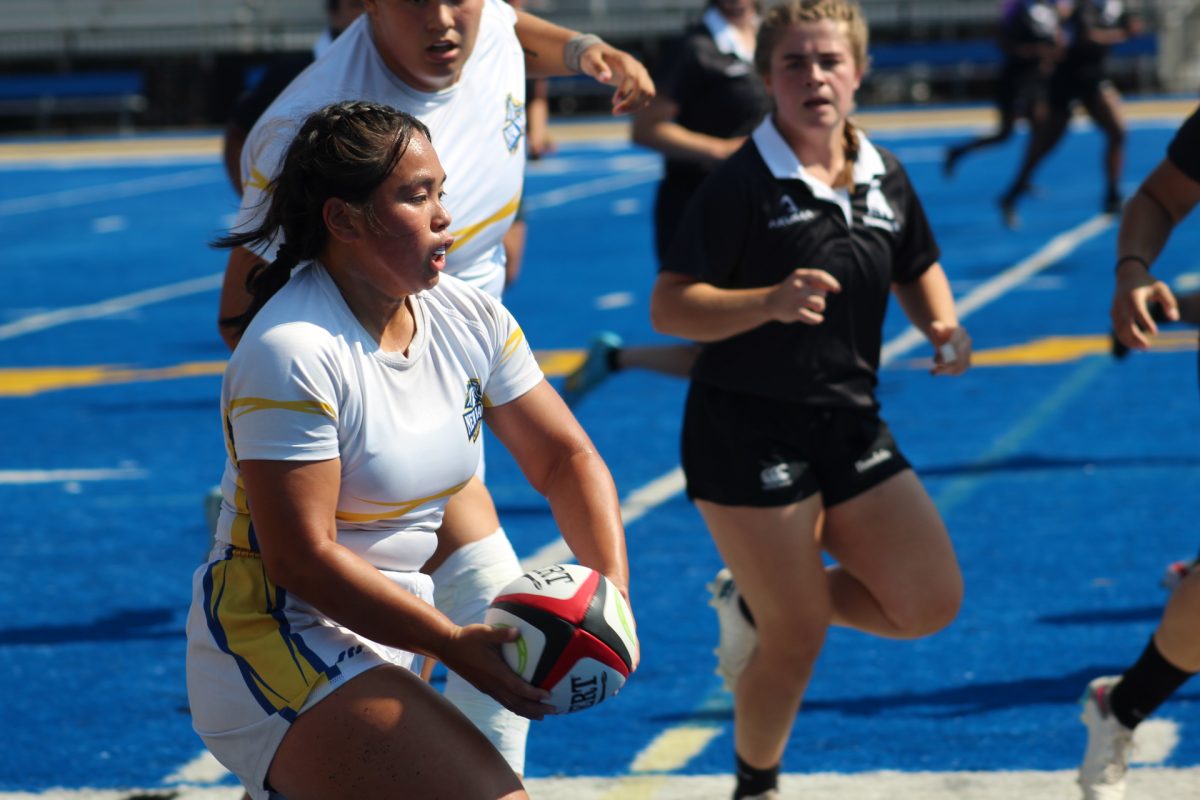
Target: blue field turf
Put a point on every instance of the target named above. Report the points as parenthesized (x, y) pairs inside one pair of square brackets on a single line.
[(1067, 486)]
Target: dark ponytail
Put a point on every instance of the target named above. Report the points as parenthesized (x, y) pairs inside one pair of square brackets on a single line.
[(345, 150)]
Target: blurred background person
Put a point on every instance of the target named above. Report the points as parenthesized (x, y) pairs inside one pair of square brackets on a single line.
[(1030, 41), (709, 100), (1090, 30), (537, 145), (278, 74)]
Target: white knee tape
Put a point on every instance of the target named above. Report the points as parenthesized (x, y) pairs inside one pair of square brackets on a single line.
[(464, 585), (505, 730), (473, 575)]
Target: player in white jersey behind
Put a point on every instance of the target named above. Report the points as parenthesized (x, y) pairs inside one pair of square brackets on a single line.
[(343, 409), (459, 67)]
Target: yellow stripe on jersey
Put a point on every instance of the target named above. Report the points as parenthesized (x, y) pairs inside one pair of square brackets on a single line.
[(251, 404), (510, 347), (248, 620), (471, 231), (257, 180), (396, 510)]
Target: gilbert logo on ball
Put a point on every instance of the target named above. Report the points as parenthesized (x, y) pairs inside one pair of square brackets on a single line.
[(577, 636)]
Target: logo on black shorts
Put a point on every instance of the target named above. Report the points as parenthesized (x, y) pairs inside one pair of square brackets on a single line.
[(875, 459), (778, 476)]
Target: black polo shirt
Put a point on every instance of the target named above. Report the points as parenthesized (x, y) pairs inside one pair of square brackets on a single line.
[(1028, 22), (717, 94), (1084, 55), (1184, 150), (760, 216)]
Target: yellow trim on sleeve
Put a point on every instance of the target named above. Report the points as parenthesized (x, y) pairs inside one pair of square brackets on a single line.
[(250, 404), (258, 180), (510, 346)]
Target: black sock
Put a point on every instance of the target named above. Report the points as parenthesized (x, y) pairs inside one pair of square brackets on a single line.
[(752, 781), (1145, 686), (613, 359), (745, 609)]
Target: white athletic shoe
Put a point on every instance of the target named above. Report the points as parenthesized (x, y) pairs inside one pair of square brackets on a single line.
[(738, 637), (1102, 773)]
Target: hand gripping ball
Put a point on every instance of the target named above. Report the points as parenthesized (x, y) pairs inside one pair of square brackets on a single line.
[(577, 636)]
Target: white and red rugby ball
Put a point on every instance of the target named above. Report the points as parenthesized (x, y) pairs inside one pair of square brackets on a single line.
[(577, 634)]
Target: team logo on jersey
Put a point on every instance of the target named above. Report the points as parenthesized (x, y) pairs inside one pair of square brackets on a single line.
[(790, 214), (514, 123), (473, 409), (879, 212)]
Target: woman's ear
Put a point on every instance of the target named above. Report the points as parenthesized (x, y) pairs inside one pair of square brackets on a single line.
[(340, 219)]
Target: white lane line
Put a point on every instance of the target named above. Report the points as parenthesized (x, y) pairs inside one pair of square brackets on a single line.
[(1146, 782), (204, 768), (109, 191), (115, 305), (567, 165), (23, 477), (635, 506), (578, 191), (995, 288), (607, 302)]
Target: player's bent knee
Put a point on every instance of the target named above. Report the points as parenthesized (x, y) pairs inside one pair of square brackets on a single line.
[(927, 613)]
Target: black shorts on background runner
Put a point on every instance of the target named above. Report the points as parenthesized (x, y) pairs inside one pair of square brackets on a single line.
[(745, 450)]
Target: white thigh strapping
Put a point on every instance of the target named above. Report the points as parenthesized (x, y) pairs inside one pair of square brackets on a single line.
[(464, 585)]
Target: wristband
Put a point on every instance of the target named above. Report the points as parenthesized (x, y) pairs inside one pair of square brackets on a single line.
[(1122, 259), (574, 48)]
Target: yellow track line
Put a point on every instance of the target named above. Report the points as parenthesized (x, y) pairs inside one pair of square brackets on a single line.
[(28, 381)]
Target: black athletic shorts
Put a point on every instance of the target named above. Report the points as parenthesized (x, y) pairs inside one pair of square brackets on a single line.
[(1084, 84), (745, 450), (1019, 88)]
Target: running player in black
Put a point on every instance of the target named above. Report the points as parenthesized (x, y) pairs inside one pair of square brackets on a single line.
[(1030, 40), (782, 269), (1114, 705), (709, 100), (1091, 29)]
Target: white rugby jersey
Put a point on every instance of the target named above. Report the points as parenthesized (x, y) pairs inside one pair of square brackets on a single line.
[(478, 128), (308, 383)]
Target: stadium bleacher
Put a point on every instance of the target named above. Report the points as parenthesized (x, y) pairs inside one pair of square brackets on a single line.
[(43, 96), (922, 50)]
